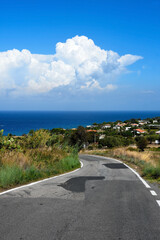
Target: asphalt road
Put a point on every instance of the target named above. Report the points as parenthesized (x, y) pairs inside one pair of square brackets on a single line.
[(103, 200)]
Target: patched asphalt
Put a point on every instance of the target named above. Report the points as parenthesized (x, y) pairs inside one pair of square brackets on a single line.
[(103, 200), (115, 165), (77, 184)]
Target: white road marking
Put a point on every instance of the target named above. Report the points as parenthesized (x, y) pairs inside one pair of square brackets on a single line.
[(142, 180), (158, 201), (137, 174), (153, 193), (44, 180)]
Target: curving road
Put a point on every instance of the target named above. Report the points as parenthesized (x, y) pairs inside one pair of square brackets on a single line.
[(103, 200)]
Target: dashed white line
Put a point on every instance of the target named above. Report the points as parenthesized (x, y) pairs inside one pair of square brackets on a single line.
[(158, 201), (153, 193)]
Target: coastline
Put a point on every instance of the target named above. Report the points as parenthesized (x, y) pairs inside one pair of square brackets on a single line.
[(21, 122)]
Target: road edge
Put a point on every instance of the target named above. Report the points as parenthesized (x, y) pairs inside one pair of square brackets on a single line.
[(40, 181), (137, 174)]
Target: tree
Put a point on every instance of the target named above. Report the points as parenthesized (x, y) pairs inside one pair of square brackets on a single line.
[(110, 141), (57, 131), (78, 137), (31, 132), (133, 120), (142, 143), (90, 137), (152, 138)]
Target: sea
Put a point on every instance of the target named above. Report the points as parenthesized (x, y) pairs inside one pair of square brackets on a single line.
[(21, 122)]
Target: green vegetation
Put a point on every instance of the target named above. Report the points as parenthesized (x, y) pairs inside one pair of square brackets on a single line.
[(134, 141), (115, 141), (14, 174), (44, 153), (146, 162), (10, 175), (151, 172), (142, 143), (38, 155)]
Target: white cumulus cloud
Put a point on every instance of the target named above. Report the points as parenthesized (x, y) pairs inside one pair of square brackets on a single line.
[(77, 63)]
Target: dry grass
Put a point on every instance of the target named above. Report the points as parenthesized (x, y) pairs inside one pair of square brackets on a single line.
[(18, 168), (147, 163), (146, 156), (38, 157), (11, 158)]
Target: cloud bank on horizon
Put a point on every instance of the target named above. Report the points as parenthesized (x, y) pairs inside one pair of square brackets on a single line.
[(77, 64)]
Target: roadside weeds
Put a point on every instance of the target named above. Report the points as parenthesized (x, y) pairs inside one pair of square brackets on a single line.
[(147, 164)]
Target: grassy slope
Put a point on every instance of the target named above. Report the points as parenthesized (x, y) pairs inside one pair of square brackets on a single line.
[(17, 168)]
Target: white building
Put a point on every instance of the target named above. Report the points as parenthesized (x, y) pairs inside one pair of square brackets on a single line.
[(127, 128), (102, 136), (106, 126), (155, 121)]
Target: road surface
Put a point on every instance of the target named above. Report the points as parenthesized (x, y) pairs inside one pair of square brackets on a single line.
[(102, 200)]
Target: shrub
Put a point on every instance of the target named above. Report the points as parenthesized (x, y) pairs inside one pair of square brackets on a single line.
[(100, 146), (150, 171), (142, 143), (90, 147), (114, 141), (52, 140), (36, 139)]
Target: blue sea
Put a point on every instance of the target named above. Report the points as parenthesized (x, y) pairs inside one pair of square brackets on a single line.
[(20, 122)]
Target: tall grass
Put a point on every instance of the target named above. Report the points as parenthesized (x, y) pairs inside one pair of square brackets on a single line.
[(68, 163), (11, 158), (10, 176), (22, 167), (148, 162), (146, 156)]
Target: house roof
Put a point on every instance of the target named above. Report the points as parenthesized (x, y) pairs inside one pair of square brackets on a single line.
[(91, 130), (121, 124), (140, 130)]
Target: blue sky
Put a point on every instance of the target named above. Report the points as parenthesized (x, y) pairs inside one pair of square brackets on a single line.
[(125, 78)]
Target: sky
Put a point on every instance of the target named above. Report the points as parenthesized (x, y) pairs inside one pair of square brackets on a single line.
[(79, 55)]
